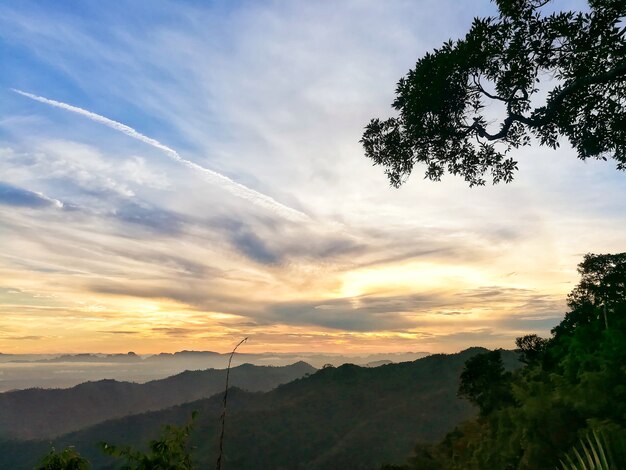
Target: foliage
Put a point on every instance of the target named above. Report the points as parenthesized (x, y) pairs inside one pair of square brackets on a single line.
[(603, 283), (531, 348), (485, 383), (593, 455), (573, 386), (509, 61), (597, 450), (67, 459), (169, 452)]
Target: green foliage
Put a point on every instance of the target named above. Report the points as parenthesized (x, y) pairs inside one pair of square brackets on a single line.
[(593, 455), (531, 348), (485, 383), (603, 449), (601, 289), (507, 61), (169, 452), (67, 459)]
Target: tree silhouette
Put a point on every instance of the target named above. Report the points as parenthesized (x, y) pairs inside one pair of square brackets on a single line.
[(443, 121), (603, 280), (485, 382), (600, 292), (531, 347)]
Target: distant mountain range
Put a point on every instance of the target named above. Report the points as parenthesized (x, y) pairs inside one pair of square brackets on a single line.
[(42, 413), (336, 418), (316, 359), (67, 370)]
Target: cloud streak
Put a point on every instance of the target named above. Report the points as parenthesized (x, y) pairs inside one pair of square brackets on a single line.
[(225, 182)]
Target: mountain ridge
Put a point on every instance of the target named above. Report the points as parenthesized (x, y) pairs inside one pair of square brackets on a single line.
[(44, 413)]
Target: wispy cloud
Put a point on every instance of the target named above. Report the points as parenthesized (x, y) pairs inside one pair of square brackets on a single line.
[(225, 182), (15, 196)]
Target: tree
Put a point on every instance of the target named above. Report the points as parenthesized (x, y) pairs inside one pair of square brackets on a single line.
[(600, 293), (485, 383), (169, 452), (531, 347), (578, 58), (67, 459), (603, 280)]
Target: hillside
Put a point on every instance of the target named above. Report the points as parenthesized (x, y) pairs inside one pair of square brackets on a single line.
[(345, 417), (44, 413)]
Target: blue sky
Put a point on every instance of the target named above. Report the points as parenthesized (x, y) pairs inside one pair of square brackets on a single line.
[(242, 204)]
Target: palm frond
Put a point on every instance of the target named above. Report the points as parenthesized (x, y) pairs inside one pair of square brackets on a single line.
[(589, 454)]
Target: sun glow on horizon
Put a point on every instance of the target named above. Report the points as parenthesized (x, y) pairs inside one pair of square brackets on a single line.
[(412, 276)]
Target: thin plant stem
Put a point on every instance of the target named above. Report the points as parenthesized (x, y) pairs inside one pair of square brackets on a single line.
[(218, 465)]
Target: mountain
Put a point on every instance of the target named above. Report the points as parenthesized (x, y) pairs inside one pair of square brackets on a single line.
[(87, 357), (339, 417), (18, 372), (44, 413), (382, 362), (200, 357)]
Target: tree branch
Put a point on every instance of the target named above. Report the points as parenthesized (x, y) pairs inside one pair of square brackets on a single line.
[(551, 107), (617, 73), (485, 92)]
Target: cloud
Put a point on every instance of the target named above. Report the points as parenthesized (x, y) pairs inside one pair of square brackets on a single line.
[(522, 325), (503, 307), (272, 97), (14, 196), (253, 247), (479, 336), (156, 219), (176, 332), (191, 294), (364, 313), (24, 338), (119, 332), (76, 170), (225, 182), (527, 301), (272, 241), (179, 265)]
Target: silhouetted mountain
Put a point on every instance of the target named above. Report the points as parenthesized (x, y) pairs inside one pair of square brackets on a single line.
[(41, 413), (337, 418)]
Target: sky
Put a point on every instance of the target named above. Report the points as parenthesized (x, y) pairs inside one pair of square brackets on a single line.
[(183, 174)]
